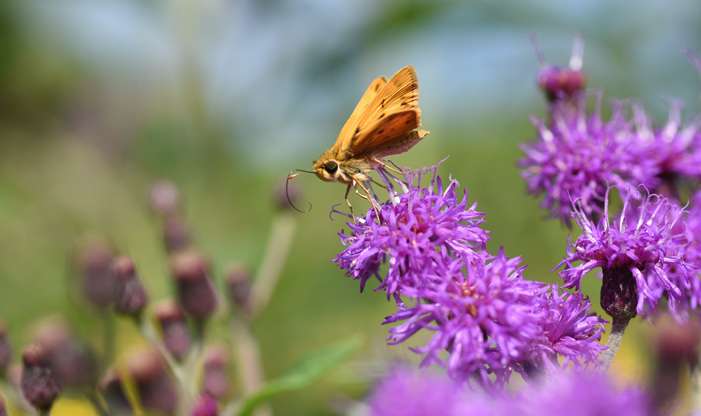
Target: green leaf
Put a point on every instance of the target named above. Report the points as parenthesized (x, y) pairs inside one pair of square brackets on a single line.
[(304, 372)]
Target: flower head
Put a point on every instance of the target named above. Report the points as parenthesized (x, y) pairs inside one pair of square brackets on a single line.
[(663, 156), (417, 233), (569, 329), (582, 394), (483, 313), (576, 156), (415, 393), (635, 251), (408, 393)]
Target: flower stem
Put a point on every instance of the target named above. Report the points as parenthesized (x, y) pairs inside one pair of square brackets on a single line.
[(248, 355), (618, 327), (151, 335), (279, 243), (97, 404)]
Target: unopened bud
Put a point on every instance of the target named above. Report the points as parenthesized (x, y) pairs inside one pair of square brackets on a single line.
[(39, 385), (113, 391), (174, 330), (165, 197), (5, 349), (99, 283), (195, 290), (72, 361), (559, 83), (286, 195), (155, 389), (238, 283), (676, 347), (131, 296), (215, 381), (205, 406)]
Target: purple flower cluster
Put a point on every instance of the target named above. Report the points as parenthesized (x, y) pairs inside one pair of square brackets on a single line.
[(479, 308), (409, 393), (578, 155)]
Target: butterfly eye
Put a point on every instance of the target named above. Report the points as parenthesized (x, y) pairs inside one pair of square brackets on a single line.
[(331, 166)]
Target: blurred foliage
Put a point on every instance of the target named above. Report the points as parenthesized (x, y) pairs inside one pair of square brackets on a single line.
[(97, 101)]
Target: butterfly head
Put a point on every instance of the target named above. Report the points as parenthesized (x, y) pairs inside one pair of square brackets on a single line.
[(329, 170)]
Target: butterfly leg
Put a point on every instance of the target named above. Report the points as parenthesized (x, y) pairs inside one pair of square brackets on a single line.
[(348, 202), (367, 198), (386, 166)]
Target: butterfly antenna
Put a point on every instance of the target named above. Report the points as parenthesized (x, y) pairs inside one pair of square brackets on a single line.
[(291, 175)]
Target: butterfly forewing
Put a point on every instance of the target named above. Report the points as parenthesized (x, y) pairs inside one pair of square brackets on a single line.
[(349, 129), (401, 93)]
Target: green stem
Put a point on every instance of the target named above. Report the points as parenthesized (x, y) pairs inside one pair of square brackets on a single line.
[(97, 404), (109, 336), (151, 335), (250, 364), (618, 327), (279, 243)]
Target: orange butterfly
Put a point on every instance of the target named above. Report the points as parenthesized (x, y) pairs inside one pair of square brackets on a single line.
[(383, 123)]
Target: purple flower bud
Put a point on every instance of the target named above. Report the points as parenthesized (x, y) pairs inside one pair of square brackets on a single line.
[(195, 290), (5, 349), (286, 195), (174, 329), (39, 385), (131, 296), (176, 233), (165, 197), (72, 361), (205, 406), (113, 391), (561, 84), (215, 381), (675, 346), (238, 283), (154, 387), (99, 283)]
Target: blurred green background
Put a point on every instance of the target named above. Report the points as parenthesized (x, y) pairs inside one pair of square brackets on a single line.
[(98, 99)]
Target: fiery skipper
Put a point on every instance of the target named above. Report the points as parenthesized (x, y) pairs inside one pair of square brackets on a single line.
[(383, 123)]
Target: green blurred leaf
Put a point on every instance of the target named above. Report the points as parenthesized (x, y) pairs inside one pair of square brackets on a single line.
[(304, 372)]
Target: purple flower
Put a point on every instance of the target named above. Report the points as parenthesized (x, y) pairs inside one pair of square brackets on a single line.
[(415, 393), (418, 233), (576, 156), (482, 313), (665, 155), (635, 251), (569, 329), (411, 393), (689, 283), (581, 394)]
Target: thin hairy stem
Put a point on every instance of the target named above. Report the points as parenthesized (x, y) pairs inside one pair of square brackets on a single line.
[(618, 327)]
